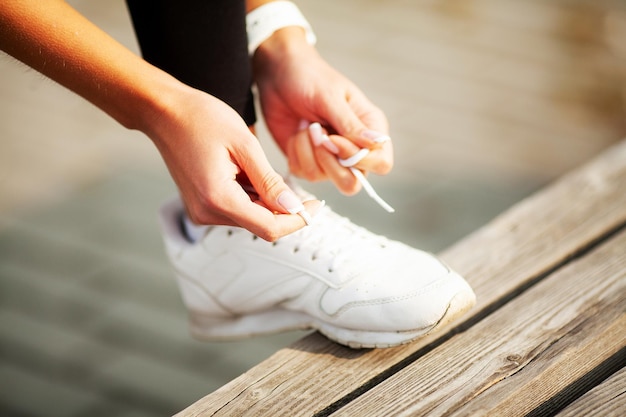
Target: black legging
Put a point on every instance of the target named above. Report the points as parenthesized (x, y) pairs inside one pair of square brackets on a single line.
[(203, 43)]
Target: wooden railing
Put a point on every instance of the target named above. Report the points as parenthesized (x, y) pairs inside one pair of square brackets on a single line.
[(547, 336)]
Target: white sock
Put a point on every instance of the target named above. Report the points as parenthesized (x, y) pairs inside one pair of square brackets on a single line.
[(193, 231)]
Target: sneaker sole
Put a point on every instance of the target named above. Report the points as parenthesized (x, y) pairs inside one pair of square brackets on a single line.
[(458, 306), (207, 328)]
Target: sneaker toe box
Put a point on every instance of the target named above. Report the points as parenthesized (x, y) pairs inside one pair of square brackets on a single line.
[(400, 299)]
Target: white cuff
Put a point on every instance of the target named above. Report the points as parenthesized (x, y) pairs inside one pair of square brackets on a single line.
[(263, 21)]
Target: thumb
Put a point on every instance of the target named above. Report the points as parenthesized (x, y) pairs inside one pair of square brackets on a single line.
[(345, 122), (357, 119), (268, 184)]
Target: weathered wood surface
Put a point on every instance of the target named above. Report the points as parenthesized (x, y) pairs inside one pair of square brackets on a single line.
[(530, 355), (515, 251), (606, 400)]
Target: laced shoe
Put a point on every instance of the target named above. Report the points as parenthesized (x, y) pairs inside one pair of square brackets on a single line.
[(357, 288)]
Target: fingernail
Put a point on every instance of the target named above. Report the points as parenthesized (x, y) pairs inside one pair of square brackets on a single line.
[(290, 202), (317, 136), (375, 136)]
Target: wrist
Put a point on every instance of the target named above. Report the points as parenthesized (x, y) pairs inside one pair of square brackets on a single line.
[(158, 105), (264, 21), (282, 44)]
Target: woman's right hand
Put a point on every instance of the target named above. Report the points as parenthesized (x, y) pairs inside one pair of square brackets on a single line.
[(205, 144), (208, 150)]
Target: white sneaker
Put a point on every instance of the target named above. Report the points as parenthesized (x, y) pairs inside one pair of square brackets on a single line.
[(357, 288)]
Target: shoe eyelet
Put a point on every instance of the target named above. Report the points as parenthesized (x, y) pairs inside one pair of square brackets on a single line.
[(274, 243), (229, 232), (296, 249), (254, 237)]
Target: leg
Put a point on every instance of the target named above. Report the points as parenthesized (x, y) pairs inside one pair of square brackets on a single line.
[(203, 43)]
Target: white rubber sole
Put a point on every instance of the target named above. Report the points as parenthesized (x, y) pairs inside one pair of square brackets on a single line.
[(275, 321), (358, 339)]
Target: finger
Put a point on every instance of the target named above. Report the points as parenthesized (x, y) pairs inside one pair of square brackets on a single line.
[(270, 186), (296, 157), (308, 164), (319, 137), (271, 226), (341, 176), (378, 160), (357, 119), (343, 121), (327, 154), (292, 158), (308, 216), (347, 148)]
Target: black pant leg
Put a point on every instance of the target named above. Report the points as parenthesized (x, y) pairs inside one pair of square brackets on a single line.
[(203, 43)]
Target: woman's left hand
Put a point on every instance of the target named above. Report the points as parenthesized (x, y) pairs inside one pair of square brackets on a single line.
[(297, 85)]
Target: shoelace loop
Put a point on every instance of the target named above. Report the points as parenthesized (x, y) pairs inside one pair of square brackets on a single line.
[(350, 164)]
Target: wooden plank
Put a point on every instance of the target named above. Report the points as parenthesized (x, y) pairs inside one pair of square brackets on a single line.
[(607, 399), (540, 73), (555, 223), (537, 348), (495, 102), (479, 41), (508, 254), (445, 73)]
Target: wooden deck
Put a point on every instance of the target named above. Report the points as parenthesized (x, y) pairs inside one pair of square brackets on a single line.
[(548, 332), (488, 101)]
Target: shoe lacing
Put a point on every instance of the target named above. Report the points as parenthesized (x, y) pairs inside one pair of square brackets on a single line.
[(335, 239), (350, 164)]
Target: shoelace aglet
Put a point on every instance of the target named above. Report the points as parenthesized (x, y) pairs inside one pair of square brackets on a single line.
[(370, 190), (306, 216)]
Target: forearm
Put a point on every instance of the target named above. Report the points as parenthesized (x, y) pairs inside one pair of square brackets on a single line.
[(253, 4), (57, 41)]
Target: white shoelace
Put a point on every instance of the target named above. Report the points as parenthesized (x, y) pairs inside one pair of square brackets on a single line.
[(350, 163), (194, 232), (319, 138), (340, 242)]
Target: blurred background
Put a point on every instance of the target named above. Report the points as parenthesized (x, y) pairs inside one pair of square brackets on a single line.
[(488, 101)]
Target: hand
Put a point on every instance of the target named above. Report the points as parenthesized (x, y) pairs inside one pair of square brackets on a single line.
[(296, 84), (209, 150), (205, 144)]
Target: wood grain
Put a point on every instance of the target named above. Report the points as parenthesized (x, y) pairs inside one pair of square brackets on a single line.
[(607, 399), (506, 256), (538, 347)]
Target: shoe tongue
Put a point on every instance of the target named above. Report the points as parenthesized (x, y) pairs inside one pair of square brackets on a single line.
[(193, 232), (337, 235), (334, 234)]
